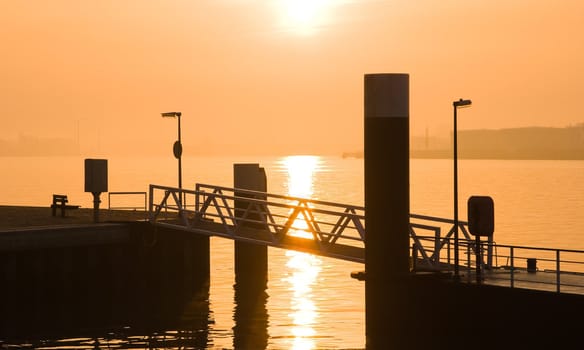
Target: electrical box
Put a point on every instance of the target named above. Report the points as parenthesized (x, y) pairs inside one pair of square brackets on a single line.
[(481, 215), (95, 175)]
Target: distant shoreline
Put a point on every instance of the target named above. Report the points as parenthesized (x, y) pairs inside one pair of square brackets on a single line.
[(447, 154), (528, 143)]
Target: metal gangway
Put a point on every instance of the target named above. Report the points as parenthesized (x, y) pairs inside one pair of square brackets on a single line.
[(337, 230)]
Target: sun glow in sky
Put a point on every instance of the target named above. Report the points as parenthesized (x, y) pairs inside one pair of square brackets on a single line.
[(277, 77), (304, 16)]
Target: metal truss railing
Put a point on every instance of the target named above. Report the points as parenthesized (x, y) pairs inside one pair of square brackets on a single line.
[(338, 230), (436, 251), (279, 216)]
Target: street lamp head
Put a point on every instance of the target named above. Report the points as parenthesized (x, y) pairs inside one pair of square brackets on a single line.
[(461, 103), (171, 114)]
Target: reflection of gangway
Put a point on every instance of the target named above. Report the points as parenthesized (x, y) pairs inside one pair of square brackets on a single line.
[(333, 230)]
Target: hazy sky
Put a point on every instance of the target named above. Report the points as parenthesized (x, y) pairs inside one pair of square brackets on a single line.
[(280, 76)]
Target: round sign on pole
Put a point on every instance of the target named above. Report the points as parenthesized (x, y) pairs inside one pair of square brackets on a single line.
[(177, 149)]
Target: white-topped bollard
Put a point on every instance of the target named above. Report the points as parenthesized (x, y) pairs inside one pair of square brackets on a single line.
[(387, 209)]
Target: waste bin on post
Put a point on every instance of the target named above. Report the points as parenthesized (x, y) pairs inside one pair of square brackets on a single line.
[(96, 182)]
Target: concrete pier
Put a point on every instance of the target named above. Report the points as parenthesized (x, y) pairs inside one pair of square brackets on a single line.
[(98, 276)]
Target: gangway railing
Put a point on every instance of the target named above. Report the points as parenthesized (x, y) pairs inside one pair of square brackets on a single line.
[(326, 223), (331, 227), (338, 230)]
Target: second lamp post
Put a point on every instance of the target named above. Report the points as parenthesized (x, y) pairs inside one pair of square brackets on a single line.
[(456, 105), (177, 147)]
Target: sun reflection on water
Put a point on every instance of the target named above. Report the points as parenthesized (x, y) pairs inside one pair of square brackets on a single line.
[(304, 268), (300, 170)]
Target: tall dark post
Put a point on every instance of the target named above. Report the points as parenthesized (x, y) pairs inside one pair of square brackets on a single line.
[(177, 151), (456, 105), (179, 155), (387, 208), (455, 160)]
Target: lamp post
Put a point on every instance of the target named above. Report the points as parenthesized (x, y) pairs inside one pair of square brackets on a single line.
[(177, 147), (456, 105)]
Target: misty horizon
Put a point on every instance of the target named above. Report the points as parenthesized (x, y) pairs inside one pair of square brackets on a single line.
[(280, 78), (480, 140)]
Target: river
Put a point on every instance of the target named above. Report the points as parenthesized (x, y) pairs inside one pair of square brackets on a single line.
[(312, 302)]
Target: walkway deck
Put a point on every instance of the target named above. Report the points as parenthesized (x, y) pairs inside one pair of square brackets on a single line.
[(17, 217)]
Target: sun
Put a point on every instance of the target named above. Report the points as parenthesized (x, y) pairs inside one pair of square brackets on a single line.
[(304, 16)]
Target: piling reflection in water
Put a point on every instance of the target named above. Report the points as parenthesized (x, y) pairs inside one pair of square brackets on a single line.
[(304, 268), (251, 318)]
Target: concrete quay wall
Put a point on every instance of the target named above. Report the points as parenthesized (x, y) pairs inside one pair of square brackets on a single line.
[(94, 276)]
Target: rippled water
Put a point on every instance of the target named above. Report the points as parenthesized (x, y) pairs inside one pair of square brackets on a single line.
[(311, 302)]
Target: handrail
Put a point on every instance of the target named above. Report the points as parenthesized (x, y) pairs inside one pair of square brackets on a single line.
[(328, 222), (109, 194), (338, 230)]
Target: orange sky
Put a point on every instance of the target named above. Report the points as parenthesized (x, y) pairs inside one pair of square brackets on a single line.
[(253, 76)]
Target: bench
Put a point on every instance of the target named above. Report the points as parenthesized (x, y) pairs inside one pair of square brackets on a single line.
[(60, 202)]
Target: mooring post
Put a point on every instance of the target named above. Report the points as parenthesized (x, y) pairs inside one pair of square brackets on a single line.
[(251, 260), (251, 263), (387, 209)]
